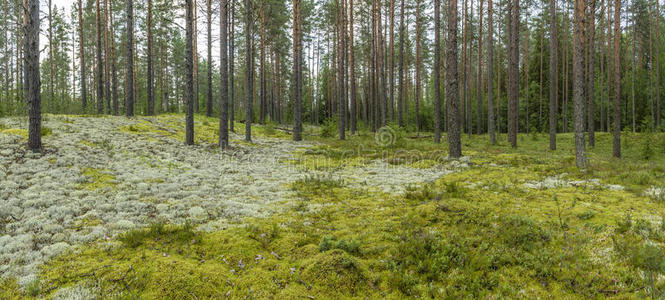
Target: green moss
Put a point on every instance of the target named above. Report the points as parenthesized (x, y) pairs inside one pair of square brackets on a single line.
[(97, 179), (336, 271), (15, 131)]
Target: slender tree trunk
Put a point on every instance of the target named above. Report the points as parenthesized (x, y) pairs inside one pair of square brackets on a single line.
[(195, 53), (452, 94), (249, 71), (150, 75), (129, 80), (513, 77), (297, 72), (578, 84), (465, 74), (391, 53), (189, 80), (209, 41), (435, 69), (107, 75), (479, 83), (402, 83), (591, 105), (418, 64), (553, 76), (33, 85), (100, 66), (658, 54), (84, 100), (616, 145), (232, 66), (223, 67), (352, 71), (542, 46), (114, 76), (50, 55), (262, 71), (340, 70), (490, 73)]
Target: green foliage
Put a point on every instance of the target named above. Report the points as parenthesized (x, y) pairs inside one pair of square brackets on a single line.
[(329, 128), (160, 232), (317, 184), (33, 288), (330, 242)]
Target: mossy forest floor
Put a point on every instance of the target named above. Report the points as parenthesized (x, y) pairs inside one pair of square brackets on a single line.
[(382, 215)]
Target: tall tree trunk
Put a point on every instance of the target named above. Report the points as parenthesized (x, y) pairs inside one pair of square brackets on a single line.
[(84, 98), (297, 71), (391, 53), (114, 76), (189, 80), (232, 66), (129, 80), (591, 104), (262, 70), (578, 84), (223, 67), (554, 86), (479, 106), (249, 71), (340, 71), (513, 77), (195, 53), (402, 83), (107, 75), (542, 46), (616, 145), (435, 69), (452, 94), (418, 64), (658, 54), (352, 71), (150, 75), (100, 65), (490, 73), (209, 41), (50, 56), (32, 88), (465, 74)]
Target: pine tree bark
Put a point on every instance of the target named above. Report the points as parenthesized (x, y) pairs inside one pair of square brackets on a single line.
[(129, 80), (262, 71), (418, 64), (100, 66), (195, 53), (490, 73), (616, 142), (209, 41), (513, 72), (452, 94), (297, 71), (32, 87), (232, 66), (578, 84), (249, 70), (554, 86), (114, 76), (479, 82), (402, 83), (391, 55), (189, 66), (50, 54), (84, 96), (223, 67), (435, 69), (591, 104), (150, 75), (352, 71)]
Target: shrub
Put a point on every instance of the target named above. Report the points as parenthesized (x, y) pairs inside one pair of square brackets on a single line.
[(329, 128), (330, 242)]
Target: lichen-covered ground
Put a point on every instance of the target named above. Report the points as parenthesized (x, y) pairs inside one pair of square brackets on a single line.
[(121, 208)]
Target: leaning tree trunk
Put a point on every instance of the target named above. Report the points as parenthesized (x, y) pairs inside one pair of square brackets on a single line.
[(224, 80), (553, 76), (616, 145), (32, 87), (452, 94), (437, 62), (129, 80), (189, 66), (578, 84)]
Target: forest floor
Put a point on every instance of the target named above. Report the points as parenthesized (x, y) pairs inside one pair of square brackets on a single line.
[(121, 208)]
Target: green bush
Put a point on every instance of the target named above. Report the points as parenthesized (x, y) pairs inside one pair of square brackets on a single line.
[(329, 128)]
